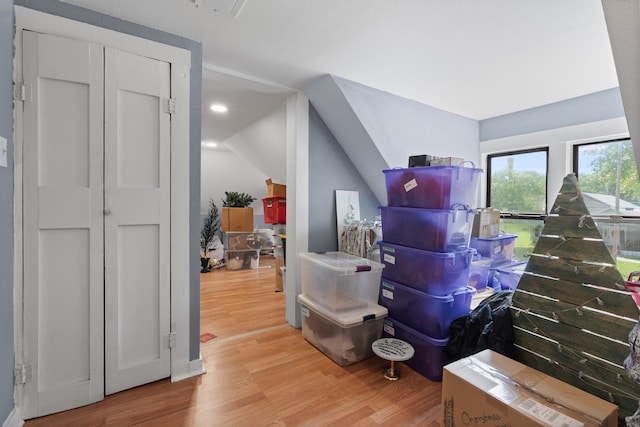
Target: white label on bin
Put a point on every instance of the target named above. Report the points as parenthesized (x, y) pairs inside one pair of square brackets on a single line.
[(389, 329), (410, 185), (389, 259), (387, 294), (305, 311), (549, 415)]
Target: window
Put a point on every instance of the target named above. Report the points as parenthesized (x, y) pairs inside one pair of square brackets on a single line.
[(517, 185), (517, 182), (608, 179)]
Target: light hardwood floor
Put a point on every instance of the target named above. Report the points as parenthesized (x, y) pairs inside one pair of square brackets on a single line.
[(261, 372)]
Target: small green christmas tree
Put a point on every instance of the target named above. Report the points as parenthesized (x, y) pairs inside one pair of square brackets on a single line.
[(209, 230)]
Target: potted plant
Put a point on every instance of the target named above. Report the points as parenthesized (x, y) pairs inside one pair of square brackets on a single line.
[(236, 213), (237, 200), (209, 231)]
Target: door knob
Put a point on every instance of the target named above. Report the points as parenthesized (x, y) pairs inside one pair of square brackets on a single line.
[(107, 211)]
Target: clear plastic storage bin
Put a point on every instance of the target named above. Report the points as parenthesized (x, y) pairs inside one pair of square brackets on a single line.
[(245, 240), (242, 260), (432, 187), (345, 338), (339, 281)]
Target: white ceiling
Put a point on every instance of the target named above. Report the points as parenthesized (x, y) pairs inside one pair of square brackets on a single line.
[(476, 58)]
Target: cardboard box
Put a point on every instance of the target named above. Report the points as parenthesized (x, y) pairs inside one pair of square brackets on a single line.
[(486, 223), (490, 389), (274, 189), (237, 219)]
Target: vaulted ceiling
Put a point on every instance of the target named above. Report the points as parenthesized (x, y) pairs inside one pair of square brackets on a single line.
[(476, 58)]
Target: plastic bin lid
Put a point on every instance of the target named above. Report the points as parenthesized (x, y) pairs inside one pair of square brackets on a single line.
[(346, 319), (513, 267), (342, 262), (461, 250), (386, 284), (436, 167), (502, 236)]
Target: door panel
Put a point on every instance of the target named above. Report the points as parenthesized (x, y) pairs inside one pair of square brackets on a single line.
[(96, 208), (63, 211), (137, 197)]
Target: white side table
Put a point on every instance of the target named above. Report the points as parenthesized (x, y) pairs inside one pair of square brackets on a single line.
[(394, 350)]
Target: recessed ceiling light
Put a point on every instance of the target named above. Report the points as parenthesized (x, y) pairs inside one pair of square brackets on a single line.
[(218, 108), (209, 144)]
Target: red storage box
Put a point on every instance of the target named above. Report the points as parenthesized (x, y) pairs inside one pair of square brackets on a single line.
[(275, 210)]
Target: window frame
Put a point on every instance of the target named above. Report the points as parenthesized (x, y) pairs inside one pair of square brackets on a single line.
[(521, 215), (576, 147)]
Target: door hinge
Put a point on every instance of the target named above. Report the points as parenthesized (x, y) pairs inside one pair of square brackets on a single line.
[(170, 105), (22, 374), (172, 339), (22, 92)]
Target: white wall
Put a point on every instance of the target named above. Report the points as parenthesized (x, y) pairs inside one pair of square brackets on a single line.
[(560, 142), (264, 144), (227, 171), (256, 153)]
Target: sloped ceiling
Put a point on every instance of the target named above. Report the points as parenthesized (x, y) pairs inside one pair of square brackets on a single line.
[(379, 131), (479, 59), (623, 23)]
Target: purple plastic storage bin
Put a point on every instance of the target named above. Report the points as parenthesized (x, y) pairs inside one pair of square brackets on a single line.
[(499, 249), (437, 273), (509, 275), (429, 357), (479, 273), (437, 230), (428, 314), (432, 187)]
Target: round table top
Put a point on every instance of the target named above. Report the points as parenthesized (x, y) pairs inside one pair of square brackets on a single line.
[(393, 349)]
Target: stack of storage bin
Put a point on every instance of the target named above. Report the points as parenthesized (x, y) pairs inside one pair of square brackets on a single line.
[(504, 270), (339, 304), (426, 230), (242, 249)]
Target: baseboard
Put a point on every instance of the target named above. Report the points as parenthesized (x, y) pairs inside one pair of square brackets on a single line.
[(196, 367), (13, 420)]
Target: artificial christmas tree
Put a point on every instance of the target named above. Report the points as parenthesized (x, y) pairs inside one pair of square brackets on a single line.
[(572, 312)]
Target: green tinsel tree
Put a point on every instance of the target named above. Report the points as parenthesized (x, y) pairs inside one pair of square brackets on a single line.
[(209, 231)]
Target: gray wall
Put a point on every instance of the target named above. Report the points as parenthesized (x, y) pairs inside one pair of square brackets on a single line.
[(603, 105), (330, 169), (6, 212), (379, 130), (55, 7)]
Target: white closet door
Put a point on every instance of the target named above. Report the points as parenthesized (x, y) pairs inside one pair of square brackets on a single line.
[(63, 223), (137, 206)]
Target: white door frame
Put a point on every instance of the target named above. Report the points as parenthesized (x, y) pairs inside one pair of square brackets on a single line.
[(180, 59)]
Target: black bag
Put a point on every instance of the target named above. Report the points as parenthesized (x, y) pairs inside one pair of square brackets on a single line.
[(488, 326)]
